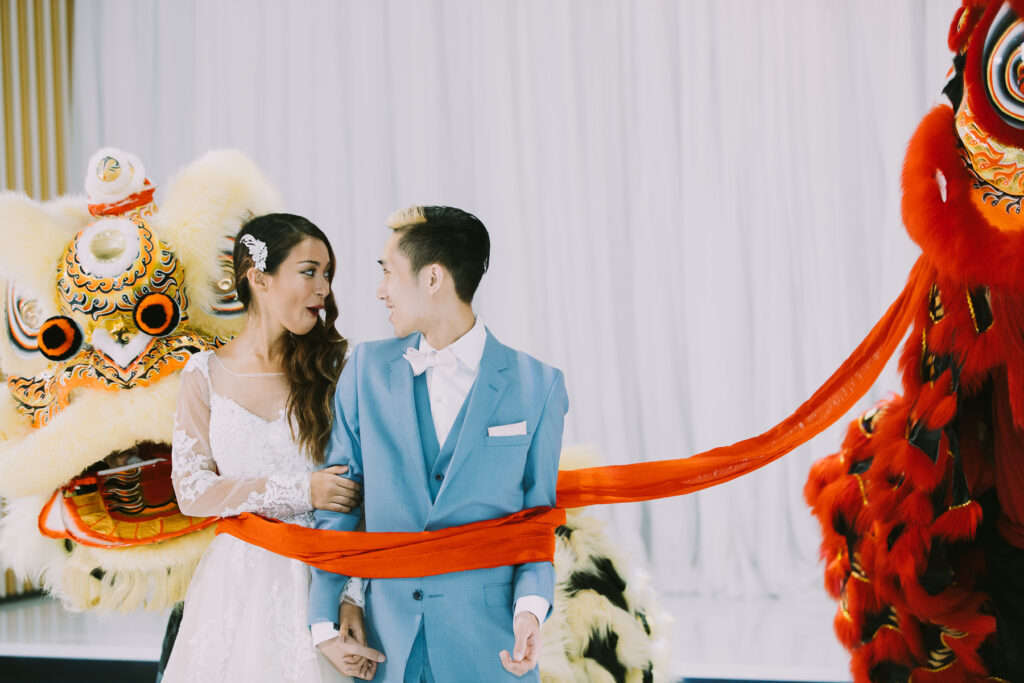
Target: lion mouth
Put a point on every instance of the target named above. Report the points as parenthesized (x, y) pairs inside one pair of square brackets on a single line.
[(133, 478), (126, 499)]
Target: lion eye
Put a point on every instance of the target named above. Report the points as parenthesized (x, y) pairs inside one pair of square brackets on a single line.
[(59, 338), (157, 314)]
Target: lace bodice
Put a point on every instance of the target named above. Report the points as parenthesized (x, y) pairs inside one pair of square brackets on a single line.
[(229, 458), (233, 449)]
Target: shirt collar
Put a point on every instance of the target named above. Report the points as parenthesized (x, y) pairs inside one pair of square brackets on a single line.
[(467, 349)]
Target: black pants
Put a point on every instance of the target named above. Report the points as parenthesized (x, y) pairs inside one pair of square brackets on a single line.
[(1006, 587), (169, 637)]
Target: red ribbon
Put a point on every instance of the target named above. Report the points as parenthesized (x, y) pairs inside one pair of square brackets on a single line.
[(528, 536), (132, 201)]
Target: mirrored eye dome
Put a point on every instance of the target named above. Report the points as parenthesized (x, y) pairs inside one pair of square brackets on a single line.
[(108, 247), (112, 175)]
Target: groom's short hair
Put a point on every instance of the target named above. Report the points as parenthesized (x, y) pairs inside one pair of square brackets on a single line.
[(453, 238)]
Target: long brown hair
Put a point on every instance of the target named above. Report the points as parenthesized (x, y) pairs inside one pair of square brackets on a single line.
[(311, 362)]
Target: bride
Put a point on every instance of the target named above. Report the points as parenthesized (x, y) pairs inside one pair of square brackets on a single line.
[(252, 424)]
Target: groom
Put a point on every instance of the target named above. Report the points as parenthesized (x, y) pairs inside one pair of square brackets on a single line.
[(444, 426)]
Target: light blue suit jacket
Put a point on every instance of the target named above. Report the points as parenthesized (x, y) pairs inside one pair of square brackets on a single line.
[(467, 616)]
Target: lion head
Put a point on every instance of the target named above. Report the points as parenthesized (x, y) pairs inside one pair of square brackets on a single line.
[(105, 299), (963, 178)]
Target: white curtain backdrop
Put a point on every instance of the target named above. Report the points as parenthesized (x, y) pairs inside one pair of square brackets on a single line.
[(694, 205)]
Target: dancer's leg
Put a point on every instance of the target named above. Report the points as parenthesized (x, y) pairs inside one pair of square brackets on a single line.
[(173, 623)]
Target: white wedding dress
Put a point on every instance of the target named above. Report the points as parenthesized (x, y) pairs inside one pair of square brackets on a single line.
[(233, 452)]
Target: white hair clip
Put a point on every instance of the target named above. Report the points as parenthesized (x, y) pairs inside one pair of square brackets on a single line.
[(257, 250)]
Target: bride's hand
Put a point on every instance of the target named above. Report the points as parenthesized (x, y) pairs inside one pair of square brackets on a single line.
[(348, 652), (330, 491)]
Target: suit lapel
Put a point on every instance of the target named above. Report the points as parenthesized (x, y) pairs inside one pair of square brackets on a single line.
[(484, 398), (403, 403)]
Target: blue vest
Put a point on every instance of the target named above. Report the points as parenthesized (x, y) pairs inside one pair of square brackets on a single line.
[(436, 457)]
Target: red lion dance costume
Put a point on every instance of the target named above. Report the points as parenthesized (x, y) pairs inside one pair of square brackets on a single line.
[(925, 502)]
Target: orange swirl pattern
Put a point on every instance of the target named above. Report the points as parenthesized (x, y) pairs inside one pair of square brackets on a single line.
[(42, 398), (74, 277), (156, 269)]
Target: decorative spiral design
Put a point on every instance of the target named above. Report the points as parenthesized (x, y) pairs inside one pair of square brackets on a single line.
[(227, 302), (23, 321), (1004, 66)]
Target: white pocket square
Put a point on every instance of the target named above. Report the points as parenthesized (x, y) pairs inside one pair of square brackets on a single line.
[(515, 429)]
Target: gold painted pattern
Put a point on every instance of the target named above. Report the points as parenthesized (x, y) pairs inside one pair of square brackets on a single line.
[(41, 398), (105, 529), (1000, 165)]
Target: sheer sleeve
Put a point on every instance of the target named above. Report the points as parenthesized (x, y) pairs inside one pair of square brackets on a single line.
[(198, 485), (355, 591)]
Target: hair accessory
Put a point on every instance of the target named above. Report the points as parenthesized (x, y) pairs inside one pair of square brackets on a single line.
[(257, 250)]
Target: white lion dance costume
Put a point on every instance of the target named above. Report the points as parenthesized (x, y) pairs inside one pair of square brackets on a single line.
[(105, 299)]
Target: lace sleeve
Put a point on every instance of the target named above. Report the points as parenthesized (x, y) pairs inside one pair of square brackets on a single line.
[(355, 591), (199, 487)]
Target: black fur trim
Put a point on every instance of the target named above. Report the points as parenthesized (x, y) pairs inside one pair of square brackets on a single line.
[(601, 649), (925, 440), (843, 528), (873, 622), (605, 582), (981, 310), (939, 654), (961, 489), (861, 466), (894, 535), (642, 618)]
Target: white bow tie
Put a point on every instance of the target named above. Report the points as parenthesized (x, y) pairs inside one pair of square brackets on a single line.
[(444, 360)]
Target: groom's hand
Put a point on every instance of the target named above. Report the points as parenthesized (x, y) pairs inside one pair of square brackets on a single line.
[(348, 652), (527, 649)]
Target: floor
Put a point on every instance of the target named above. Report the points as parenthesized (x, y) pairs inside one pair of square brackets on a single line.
[(712, 639)]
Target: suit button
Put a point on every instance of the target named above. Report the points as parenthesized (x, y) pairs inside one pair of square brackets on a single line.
[(417, 595), (439, 477)]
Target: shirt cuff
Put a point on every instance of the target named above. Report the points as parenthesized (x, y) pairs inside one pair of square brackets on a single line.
[(321, 631), (535, 605)]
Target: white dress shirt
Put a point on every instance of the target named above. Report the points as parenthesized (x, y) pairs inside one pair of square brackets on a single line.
[(448, 388)]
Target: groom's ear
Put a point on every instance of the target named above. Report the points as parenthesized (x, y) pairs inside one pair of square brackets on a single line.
[(435, 277)]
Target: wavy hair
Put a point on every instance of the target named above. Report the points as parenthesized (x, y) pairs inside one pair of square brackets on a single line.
[(311, 362)]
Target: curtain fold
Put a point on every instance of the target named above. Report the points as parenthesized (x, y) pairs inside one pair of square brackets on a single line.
[(694, 204), (35, 95), (35, 107)]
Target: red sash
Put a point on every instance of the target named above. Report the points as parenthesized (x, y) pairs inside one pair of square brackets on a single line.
[(528, 536)]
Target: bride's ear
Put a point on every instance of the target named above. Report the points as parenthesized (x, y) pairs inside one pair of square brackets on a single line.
[(258, 280)]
